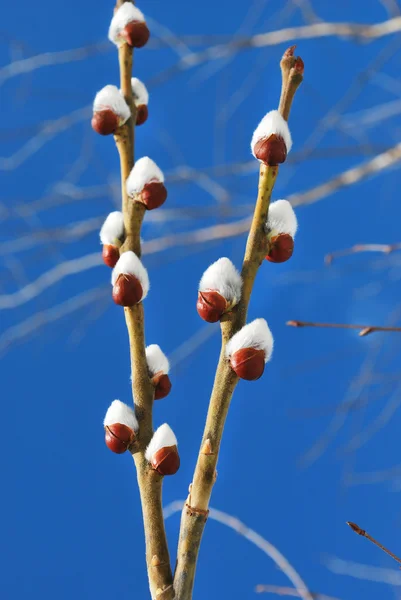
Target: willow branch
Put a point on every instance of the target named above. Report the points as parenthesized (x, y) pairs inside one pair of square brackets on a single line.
[(196, 509), (365, 534), (383, 248), (149, 481), (364, 329)]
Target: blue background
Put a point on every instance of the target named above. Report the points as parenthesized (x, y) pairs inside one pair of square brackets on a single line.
[(71, 520)]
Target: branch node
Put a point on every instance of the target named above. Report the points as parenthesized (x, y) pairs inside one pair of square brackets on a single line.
[(192, 511), (207, 448)]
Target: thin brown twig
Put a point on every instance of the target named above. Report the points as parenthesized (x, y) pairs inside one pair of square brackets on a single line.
[(196, 508), (384, 248), (149, 481), (364, 329), (365, 534)]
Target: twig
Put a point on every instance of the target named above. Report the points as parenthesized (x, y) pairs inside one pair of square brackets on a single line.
[(384, 248), (255, 538), (149, 481), (286, 591), (355, 31), (364, 329), (365, 534), (364, 572), (196, 509), (349, 177)]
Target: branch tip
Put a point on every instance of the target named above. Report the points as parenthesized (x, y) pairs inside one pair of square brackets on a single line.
[(356, 528)]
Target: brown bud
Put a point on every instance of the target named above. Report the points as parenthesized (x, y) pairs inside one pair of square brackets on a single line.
[(105, 122), (248, 363), (110, 255), (153, 195), (299, 65), (136, 34), (272, 150), (141, 114), (166, 461), (127, 290), (162, 384), (207, 448), (281, 248), (211, 306), (119, 437)]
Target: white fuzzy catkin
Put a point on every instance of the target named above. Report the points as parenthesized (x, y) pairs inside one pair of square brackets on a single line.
[(124, 15), (139, 92), (222, 277), (162, 438), (282, 218), (113, 228), (110, 98), (129, 264), (254, 335), (157, 360), (118, 412), (271, 123), (144, 171)]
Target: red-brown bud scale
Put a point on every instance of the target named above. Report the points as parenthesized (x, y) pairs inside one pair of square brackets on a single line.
[(162, 384), (119, 437), (153, 195), (166, 461), (142, 114), (110, 255), (105, 122), (248, 363), (127, 290), (271, 151), (136, 34), (211, 306), (281, 248)]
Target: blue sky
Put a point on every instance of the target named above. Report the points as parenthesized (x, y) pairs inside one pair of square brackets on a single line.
[(71, 512)]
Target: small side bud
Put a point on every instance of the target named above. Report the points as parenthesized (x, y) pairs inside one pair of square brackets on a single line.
[(271, 140), (110, 111), (249, 349), (281, 227), (219, 290), (130, 280), (111, 236), (128, 26), (159, 367), (141, 98), (207, 448), (145, 183), (162, 452), (121, 427)]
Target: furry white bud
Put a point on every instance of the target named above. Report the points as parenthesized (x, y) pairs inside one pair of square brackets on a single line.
[(112, 229), (118, 412), (222, 277), (254, 335), (110, 98), (272, 123), (282, 218), (163, 437), (127, 13), (129, 264), (144, 171), (157, 360), (139, 92)]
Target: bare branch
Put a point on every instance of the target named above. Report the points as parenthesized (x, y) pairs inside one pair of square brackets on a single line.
[(365, 534), (384, 248), (364, 329), (286, 591), (365, 572), (256, 539), (353, 31)]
